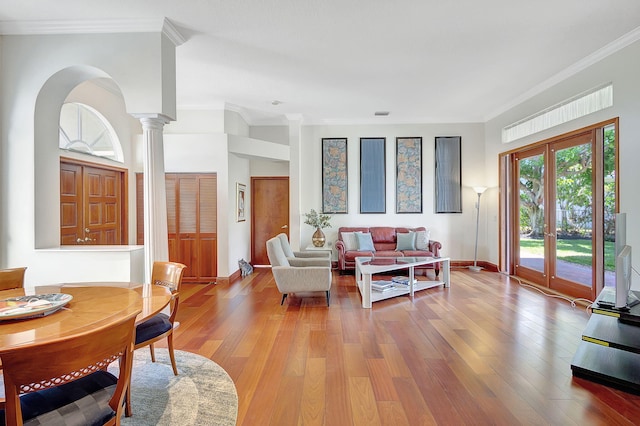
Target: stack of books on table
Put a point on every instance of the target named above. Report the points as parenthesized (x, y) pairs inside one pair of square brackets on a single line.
[(382, 286), (402, 280)]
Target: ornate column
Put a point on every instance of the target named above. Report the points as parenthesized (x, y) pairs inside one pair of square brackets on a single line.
[(156, 242)]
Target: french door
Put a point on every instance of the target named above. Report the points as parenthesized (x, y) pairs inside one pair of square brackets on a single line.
[(562, 206)]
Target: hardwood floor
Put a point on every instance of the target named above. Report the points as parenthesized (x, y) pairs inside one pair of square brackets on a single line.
[(485, 351)]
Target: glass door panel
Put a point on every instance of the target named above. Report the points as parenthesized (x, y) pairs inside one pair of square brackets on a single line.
[(531, 247), (571, 231)]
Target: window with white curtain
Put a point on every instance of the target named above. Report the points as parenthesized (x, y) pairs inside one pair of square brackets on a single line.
[(585, 103)]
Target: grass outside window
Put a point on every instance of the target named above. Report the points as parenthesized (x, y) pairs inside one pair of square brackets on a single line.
[(576, 251)]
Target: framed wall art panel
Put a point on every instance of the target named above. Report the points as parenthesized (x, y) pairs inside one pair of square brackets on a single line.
[(448, 177), (409, 175), (241, 189), (372, 175), (334, 176)]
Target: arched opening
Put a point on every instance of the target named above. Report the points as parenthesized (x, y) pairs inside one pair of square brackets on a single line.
[(47, 120)]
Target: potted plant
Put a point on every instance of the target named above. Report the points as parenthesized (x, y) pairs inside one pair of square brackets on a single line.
[(318, 221)]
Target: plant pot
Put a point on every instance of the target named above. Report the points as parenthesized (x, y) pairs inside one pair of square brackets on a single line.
[(318, 239)]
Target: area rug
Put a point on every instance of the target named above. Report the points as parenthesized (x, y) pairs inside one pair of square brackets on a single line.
[(201, 394)]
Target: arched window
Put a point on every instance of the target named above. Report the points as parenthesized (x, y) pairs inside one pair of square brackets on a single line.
[(83, 129)]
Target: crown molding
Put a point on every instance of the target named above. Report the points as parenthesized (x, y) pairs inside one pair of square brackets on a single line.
[(96, 26), (600, 54)]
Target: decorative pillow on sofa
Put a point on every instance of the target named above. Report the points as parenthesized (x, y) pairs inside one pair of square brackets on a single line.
[(406, 241), (350, 241), (422, 240), (365, 242)]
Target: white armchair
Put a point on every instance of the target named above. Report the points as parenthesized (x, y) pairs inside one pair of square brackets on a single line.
[(289, 253), (311, 275)]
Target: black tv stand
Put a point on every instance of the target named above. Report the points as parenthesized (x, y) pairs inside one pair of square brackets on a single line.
[(610, 349)]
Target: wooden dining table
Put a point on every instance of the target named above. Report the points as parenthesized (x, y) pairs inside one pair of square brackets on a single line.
[(93, 305)]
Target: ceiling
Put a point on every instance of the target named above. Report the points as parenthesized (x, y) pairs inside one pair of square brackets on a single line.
[(340, 61)]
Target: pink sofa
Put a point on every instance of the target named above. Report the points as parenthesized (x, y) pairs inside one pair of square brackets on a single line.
[(385, 243)]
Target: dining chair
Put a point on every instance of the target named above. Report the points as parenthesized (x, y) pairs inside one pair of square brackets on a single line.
[(169, 275), (12, 278), (66, 381)]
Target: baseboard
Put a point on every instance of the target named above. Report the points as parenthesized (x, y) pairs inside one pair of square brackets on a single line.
[(487, 266), (235, 276)]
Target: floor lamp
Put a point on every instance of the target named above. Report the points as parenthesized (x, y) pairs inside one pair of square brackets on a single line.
[(479, 190)]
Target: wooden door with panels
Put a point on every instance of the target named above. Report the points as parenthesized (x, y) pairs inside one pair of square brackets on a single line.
[(191, 222), (269, 213), (92, 209)]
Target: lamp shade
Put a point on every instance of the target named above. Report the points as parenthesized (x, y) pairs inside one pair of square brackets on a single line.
[(479, 189)]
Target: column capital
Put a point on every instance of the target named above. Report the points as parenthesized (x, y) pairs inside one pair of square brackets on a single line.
[(152, 119)]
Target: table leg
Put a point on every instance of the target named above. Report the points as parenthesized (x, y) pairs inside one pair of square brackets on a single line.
[(411, 279), (366, 290), (446, 273)]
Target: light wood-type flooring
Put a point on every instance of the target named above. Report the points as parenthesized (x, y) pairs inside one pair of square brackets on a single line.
[(487, 350)]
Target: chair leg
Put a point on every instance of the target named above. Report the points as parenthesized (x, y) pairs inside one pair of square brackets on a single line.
[(327, 297), (127, 408), (171, 355), (437, 272), (153, 354), (284, 296)]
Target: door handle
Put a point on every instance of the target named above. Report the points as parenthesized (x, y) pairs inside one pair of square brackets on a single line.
[(284, 226)]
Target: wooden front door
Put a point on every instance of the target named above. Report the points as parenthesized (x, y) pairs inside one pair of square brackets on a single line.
[(269, 214), (191, 222), (91, 207)]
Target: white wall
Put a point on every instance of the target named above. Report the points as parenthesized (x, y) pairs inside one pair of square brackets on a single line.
[(206, 153), (269, 168), (38, 73), (623, 70), (239, 246), (456, 232)]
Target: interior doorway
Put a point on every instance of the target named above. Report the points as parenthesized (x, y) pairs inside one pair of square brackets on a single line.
[(559, 197), (269, 214)]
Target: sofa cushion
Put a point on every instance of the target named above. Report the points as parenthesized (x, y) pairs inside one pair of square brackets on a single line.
[(364, 241), (383, 234), (422, 240), (417, 253), (350, 256), (389, 253), (350, 241), (406, 241)]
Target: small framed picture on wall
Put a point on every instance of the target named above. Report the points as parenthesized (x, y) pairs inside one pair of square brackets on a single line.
[(241, 190)]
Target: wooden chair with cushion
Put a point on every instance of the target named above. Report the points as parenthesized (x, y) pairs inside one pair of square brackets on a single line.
[(66, 381), (12, 278), (166, 274)]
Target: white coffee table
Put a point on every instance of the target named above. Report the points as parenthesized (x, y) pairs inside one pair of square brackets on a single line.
[(367, 266)]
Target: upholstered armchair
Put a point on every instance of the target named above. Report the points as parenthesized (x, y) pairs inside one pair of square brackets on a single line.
[(298, 255), (312, 275)]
